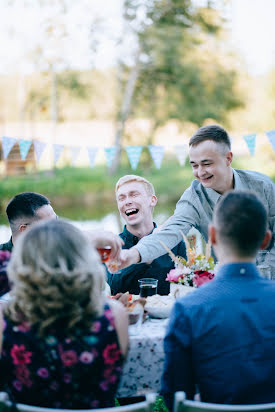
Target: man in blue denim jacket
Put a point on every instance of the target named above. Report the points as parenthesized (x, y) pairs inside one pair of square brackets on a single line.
[(221, 337)]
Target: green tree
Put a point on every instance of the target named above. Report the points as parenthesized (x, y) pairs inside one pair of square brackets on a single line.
[(183, 71)]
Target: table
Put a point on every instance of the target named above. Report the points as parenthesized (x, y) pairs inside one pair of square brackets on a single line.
[(143, 368)]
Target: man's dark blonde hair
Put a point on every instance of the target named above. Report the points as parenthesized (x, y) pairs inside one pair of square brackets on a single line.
[(134, 178)]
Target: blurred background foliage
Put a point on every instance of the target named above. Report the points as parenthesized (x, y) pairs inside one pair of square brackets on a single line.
[(176, 63)]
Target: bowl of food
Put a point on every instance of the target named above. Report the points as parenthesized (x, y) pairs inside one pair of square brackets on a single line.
[(158, 306)]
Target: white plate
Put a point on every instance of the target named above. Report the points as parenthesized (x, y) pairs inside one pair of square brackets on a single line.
[(159, 306)]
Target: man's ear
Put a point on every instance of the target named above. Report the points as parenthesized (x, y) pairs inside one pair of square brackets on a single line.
[(267, 239), (212, 234), (154, 200), (229, 158), (22, 228)]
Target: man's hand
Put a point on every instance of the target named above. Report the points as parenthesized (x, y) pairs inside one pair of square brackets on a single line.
[(101, 239), (128, 257)]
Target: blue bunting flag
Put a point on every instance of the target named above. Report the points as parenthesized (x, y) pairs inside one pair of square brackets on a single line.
[(250, 140), (134, 153)]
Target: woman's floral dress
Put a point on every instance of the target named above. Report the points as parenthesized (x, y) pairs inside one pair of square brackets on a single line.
[(60, 372)]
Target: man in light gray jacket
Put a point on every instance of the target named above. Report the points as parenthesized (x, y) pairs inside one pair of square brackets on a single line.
[(210, 157)]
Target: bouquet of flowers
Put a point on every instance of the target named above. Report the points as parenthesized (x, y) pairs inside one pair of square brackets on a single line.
[(196, 270)]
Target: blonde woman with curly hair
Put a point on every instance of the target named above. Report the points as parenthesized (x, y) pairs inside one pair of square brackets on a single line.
[(63, 344)]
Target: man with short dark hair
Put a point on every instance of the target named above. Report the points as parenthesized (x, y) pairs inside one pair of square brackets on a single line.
[(23, 210), (210, 157), (221, 337)]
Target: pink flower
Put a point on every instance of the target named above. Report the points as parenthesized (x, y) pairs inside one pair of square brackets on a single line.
[(174, 275), (94, 404), (43, 373), (104, 385), (22, 374), (108, 375), (19, 355), (69, 357), (24, 327), (111, 354), (4, 255), (109, 315), (54, 386), (67, 377), (202, 277), (17, 385), (86, 357), (96, 327)]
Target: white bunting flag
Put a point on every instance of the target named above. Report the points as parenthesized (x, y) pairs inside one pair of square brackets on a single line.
[(181, 153), (157, 153), (75, 150), (92, 151), (57, 150), (39, 148), (7, 144)]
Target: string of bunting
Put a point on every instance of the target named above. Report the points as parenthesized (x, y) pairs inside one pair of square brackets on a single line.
[(133, 152)]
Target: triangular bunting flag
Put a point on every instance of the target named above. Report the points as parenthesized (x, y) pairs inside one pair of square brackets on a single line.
[(74, 153), (181, 153), (157, 153), (39, 148), (133, 153), (57, 150), (92, 151), (250, 140), (271, 137), (24, 147), (7, 144), (110, 153)]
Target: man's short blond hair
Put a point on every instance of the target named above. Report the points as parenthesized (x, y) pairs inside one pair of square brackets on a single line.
[(134, 178)]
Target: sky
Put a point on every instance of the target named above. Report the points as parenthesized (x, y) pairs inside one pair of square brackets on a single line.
[(253, 32), (252, 24)]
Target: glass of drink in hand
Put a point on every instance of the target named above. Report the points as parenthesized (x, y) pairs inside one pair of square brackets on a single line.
[(147, 287), (104, 253)]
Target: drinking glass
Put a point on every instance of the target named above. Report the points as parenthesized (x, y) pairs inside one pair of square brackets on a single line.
[(104, 253), (135, 320), (147, 287)]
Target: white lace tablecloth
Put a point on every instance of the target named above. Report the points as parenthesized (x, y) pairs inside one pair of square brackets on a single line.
[(143, 368)]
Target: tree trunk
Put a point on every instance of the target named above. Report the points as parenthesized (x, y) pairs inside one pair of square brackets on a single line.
[(54, 97), (124, 112)]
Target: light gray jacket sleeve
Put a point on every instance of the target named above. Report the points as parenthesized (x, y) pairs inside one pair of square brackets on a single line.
[(186, 216)]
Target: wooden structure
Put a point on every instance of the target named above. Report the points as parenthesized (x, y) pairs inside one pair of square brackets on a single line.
[(14, 165)]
